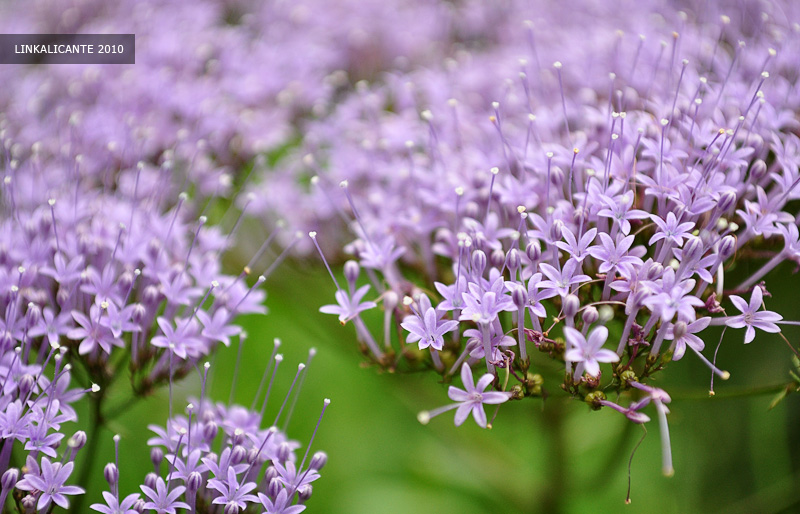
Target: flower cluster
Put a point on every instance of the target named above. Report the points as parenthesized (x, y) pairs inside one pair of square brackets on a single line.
[(218, 455), (562, 197)]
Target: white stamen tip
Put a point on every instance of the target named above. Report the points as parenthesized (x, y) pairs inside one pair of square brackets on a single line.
[(312, 234), (95, 388), (424, 417), (557, 65), (343, 184)]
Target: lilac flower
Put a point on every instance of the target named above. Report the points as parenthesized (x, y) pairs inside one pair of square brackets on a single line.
[(280, 505), (472, 398), (218, 327), (670, 230), (560, 282), (483, 306), (349, 306), (587, 352), (232, 493), (753, 318), (576, 249), (162, 500), (92, 333), (688, 338), (51, 484), (114, 506), (619, 210), (612, 255), (427, 327)]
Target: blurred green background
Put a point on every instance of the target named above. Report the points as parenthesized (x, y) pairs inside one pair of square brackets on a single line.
[(731, 454)]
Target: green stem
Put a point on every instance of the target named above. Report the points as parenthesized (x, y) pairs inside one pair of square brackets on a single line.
[(90, 450)]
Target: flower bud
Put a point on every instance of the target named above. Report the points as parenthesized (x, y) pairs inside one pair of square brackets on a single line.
[(390, 300), (590, 315), (513, 259), (571, 306), (556, 176), (497, 258), (758, 170), (238, 454), (727, 200), (519, 296), (210, 430), (111, 474), (150, 480), (9, 478), (274, 488), (138, 313), (727, 246), (556, 230), (231, 508), (139, 506), (151, 295), (29, 503), (156, 456), (26, 383), (655, 271), (533, 251), (284, 452), (478, 262), (304, 493), (351, 271), (78, 440), (33, 315), (692, 249), (318, 461), (194, 482), (62, 296)]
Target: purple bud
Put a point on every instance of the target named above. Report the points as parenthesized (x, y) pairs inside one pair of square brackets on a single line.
[(9, 478), (519, 296), (556, 230), (139, 506), (6, 340), (139, 313), (26, 383), (655, 271), (498, 258), (390, 300), (231, 508), (150, 480), (78, 440), (304, 493), (692, 249), (194, 482), (513, 259), (210, 430), (727, 246), (151, 295), (351, 271), (29, 503), (252, 455), (571, 306), (478, 262), (533, 251), (33, 315), (125, 280), (62, 296), (556, 176), (727, 200), (318, 461), (111, 474), (156, 456), (238, 454), (284, 451), (270, 474), (758, 170), (590, 315), (274, 488)]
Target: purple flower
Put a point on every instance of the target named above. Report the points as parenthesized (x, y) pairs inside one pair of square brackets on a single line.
[(281, 504), (688, 338), (162, 500), (619, 210), (472, 397), (51, 484), (576, 249), (670, 229), (231, 492), (114, 506), (753, 318), (484, 306), (349, 306), (562, 281), (587, 352), (612, 255), (427, 326)]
